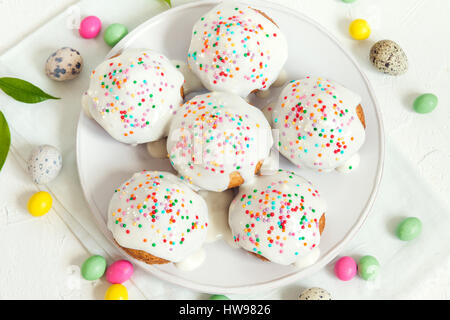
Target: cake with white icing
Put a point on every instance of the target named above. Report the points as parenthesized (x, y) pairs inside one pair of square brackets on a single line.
[(133, 95), (218, 141), (279, 218), (157, 218), (238, 49), (321, 124)]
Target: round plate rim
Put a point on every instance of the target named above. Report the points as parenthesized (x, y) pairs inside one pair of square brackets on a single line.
[(324, 259)]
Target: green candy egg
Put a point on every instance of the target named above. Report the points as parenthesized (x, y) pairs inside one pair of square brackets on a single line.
[(114, 33), (348, 1), (368, 268), (425, 103), (409, 229), (93, 268), (218, 297)]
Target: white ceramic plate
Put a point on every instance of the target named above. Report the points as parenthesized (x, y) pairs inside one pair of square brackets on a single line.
[(104, 163)]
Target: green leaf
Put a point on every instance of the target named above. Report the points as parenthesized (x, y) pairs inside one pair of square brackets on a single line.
[(168, 2), (5, 139), (23, 91)]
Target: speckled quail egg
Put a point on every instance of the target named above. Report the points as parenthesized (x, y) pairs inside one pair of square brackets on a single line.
[(64, 64), (315, 294), (388, 57), (44, 164)]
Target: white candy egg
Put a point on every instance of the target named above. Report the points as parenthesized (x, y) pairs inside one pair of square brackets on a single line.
[(315, 294), (44, 164)]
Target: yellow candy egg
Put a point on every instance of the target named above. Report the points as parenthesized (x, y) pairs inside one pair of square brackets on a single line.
[(359, 29), (116, 292), (40, 203)]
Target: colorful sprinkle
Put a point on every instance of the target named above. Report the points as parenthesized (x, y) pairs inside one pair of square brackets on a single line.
[(236, 50), (318, 123), (151, 206), (217, 134), (133, 95), (278, 217)]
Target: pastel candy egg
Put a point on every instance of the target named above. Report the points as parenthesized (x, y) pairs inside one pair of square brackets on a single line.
[(116, 292), (64, 64), (348, 1), (93, 268), (40, 203), (409, 229), (90, 27), (345, 268), (359, 29), (44, 164), (315, 294), (368, 268), (218, 297), (425, 103), (114, 33), (388, 57), (119, 272)]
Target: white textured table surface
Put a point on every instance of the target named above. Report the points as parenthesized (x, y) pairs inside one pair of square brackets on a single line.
[(39, 255)]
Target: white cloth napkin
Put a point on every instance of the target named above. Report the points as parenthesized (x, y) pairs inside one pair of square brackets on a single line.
[(404, 265)]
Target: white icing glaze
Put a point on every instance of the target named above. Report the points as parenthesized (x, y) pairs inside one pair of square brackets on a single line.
[(191, 82), (157, 213), (218, 204), (350, 165), (133, 96), (308, 260), (192, 262), (229, 239), (236, 49), (272, 164), (157, 149), (85, 104), (281, 80), (214, 135), (318, 124), (277, 217)]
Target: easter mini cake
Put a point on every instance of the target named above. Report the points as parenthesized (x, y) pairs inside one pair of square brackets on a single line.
[(279, 218), (156, 218), (321, 125), (238, 49), (133, 95), (218, 141)]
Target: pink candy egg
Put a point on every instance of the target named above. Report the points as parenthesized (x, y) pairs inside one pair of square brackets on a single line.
[(345, 268), (119, 272), (90, 27)]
